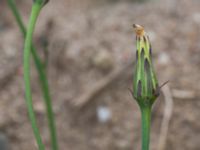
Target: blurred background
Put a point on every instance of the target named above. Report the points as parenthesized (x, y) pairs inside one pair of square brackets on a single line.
[(90, 46)]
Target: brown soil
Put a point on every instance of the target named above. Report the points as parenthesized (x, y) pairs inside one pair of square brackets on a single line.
[(86, 42)]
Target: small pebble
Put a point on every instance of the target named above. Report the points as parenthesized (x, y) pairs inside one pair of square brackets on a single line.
[(103, 60), (103, 114), (163, 58)]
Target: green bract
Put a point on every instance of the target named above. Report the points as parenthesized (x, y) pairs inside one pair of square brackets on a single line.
[(145, 83), (41, 2)]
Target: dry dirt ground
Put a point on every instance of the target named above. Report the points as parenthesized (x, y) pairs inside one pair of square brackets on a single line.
[(87, 41)]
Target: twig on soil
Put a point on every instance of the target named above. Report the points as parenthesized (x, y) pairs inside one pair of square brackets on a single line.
[(183, 94), (166, 118), (101, 85)]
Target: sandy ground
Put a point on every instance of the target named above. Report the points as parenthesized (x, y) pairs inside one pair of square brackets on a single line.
[(87, 41)]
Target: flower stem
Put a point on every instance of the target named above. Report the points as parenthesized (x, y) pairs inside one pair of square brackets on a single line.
[(42, 77), (146, 125), (26, 66), (22, 28)]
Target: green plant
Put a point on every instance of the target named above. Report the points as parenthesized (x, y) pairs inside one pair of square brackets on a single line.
[(28, 49), (145, 84)]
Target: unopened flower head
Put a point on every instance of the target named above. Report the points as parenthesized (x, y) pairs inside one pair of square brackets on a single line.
[(145, 84)]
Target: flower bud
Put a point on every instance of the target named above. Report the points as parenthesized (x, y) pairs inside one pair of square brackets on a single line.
[(145, 83)]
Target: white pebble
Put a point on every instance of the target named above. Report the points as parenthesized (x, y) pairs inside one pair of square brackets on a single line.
[(163, 58), (103, 114)]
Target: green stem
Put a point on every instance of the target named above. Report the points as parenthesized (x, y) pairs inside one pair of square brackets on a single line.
[(42, 77), (27, 47), (146, 125), (22, 28), (17, 15)]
